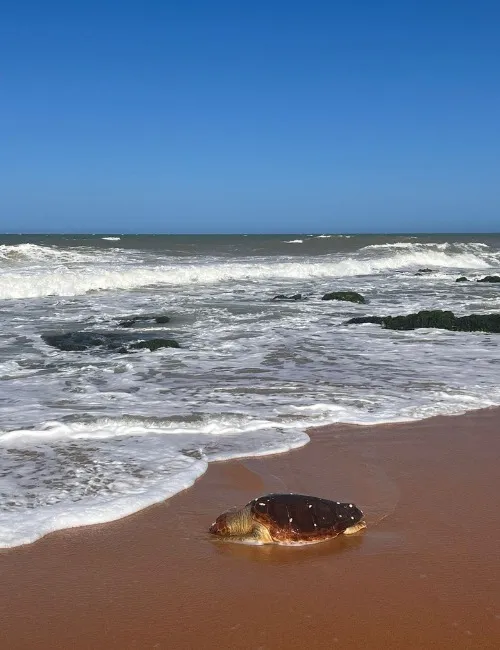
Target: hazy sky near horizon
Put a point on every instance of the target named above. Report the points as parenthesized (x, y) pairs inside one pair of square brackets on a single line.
[(263, 116)]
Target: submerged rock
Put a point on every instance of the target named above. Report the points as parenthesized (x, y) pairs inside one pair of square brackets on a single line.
[(462, 279), (154, 344), (81, 341), (144, 320), (435, 319), (424, 271), (361, 320), (105, 341), (490, 278), (282, 296), (348, 296)]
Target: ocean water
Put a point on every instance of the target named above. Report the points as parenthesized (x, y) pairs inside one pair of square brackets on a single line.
[(91, 436)]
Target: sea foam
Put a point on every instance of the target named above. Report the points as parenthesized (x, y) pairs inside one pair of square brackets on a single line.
[(95, 473), (73, 275)]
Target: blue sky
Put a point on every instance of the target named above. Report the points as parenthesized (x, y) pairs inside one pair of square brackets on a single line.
[(262, 116)]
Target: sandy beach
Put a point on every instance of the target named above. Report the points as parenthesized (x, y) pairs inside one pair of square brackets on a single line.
[(425, 573)]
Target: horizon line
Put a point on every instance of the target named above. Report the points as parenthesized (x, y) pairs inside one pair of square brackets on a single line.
[(248, 234)]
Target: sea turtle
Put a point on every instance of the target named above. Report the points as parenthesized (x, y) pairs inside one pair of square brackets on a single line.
[(288, 519)]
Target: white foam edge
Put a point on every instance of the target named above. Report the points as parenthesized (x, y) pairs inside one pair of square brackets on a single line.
[(26, 528)]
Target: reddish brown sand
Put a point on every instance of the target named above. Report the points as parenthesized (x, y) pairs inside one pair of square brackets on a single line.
[(425, 574)]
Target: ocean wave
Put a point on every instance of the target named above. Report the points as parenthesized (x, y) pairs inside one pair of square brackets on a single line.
[(28, 251), (330, 236), (441, 246), (294, 241), (111, 238), (67, 281), (49, 255)]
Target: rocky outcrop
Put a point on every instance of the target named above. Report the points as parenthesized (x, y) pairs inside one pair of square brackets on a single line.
[(363, 320), (154, 344), (348, 296), (105, 341), (144, 320), (490, 278), (424, 271), (462, 279), (282, 296), (435, 319)]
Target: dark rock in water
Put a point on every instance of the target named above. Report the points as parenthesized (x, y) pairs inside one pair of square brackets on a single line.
[(348, 296), (154, 344), (81, 341), (436, 319), (106, 341), (424, 271), (490, 278), (462, 279), (361, 320), (130, 322), (425, 319), (281, 296)]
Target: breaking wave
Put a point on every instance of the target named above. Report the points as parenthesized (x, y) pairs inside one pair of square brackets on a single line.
[(37, 254), (471, 246), (74, 275)]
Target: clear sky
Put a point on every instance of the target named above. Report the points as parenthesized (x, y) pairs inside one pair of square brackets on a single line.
[(249, 116)]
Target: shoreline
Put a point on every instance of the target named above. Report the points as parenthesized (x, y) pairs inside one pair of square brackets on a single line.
[(424, 574)]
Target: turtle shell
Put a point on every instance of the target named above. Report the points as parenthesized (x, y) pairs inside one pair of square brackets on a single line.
[(298, 518)]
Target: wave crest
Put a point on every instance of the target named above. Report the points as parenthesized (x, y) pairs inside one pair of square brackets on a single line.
[(68, 282), (71, 272)]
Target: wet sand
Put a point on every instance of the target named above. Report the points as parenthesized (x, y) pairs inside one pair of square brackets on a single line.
[(425, 574)]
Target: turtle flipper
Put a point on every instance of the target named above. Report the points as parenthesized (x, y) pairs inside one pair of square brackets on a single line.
[(354, 529), (261, 534), (257, 535)]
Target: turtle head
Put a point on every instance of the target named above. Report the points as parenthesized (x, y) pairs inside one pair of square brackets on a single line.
[(220, 526), (232, 522)]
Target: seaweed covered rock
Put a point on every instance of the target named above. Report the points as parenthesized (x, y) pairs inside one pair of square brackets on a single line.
[(423, 319), (282, 296), (462, 279), (437, 319), (490, 278), (104, 341), (154, 344), (348, 296), (144, 320)]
